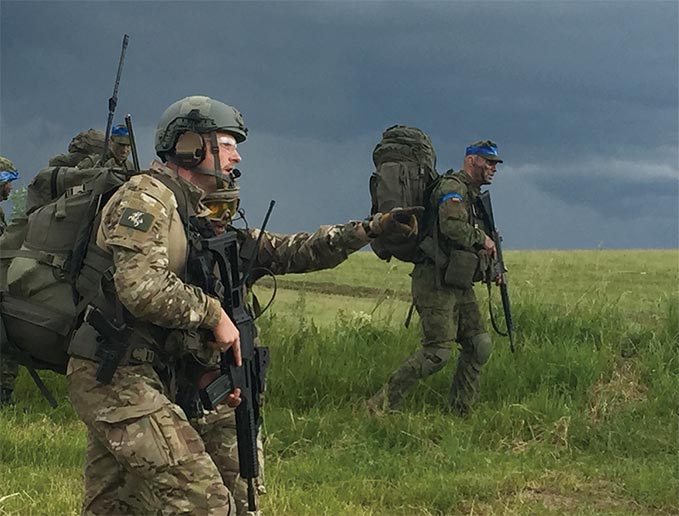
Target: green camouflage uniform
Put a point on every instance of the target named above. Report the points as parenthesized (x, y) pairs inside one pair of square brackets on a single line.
[(9, 368), (143, 454), (447, 314), (281, 254)]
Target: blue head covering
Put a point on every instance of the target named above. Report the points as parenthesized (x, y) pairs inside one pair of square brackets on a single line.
[(8, 175)]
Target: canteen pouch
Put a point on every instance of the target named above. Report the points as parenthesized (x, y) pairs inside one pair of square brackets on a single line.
[(462, 269)]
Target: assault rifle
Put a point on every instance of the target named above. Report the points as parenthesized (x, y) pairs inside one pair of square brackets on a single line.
[(250, 377), (496, 268)]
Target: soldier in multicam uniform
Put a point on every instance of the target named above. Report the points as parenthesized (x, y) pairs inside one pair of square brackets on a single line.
[(83, 144), (117, 153), (450, 314), (143, 456), (9, 368)]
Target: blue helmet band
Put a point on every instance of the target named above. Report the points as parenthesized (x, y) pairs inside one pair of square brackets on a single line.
[(8, 175), (481, 151), (119, 130)]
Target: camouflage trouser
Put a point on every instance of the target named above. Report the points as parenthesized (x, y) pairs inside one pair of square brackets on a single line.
[(218, 430), (9, 369), (447, 315), (143, 456)]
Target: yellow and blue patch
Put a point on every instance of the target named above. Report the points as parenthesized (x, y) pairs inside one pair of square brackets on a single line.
[(452, 196)]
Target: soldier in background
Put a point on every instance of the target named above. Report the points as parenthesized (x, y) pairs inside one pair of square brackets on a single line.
[(9, 368), (117, 153), (82, 145), (444, 297)]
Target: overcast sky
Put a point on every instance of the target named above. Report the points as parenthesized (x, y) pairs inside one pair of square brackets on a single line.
[(582, 98)]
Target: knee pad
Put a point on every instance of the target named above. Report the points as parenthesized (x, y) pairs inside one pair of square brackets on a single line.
[(433, 359), (480, 347)]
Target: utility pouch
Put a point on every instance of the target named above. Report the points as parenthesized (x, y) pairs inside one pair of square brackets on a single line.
[(433, 252), (461, 269)]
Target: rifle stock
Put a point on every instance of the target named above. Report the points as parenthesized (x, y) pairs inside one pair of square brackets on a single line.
[(497, 268)]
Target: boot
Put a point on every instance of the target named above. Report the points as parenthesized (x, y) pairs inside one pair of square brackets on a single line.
[(6, 397)]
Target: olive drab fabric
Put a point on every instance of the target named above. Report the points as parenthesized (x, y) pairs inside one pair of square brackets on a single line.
[(405, 170), (42, 306), (82, 145), (449, 313)]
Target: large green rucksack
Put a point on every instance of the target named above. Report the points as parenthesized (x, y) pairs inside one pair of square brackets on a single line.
[(405, 173), (49, 268)]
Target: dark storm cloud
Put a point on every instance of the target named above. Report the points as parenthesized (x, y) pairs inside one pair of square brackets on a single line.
[(582, 98)]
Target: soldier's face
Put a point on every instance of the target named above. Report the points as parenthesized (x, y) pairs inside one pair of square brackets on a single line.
[(228, 153), (484, 170), (5, 189), (120, 151)]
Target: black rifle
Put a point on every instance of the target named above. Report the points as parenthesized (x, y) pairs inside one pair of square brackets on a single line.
[(496, 268), (113, 101), (250, 377), (133, 144)]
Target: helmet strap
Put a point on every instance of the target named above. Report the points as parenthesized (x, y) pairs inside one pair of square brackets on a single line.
[(214, 144)]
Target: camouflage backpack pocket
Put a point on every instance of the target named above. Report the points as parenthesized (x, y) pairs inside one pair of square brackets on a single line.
[(462, 269)]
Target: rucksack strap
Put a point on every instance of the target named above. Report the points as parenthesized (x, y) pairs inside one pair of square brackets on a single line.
[(50, 259)]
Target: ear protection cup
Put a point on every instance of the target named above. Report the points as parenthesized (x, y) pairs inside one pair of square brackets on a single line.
[(189, 150)]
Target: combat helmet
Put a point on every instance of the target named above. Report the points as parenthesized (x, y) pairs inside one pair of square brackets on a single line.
[(197, 115)]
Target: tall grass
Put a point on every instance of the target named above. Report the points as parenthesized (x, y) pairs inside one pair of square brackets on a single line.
[(582, 419)]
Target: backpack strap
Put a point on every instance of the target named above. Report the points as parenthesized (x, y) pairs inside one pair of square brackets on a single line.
[(50, 259)]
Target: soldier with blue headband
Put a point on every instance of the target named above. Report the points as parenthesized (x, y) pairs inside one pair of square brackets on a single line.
[(117, 153), (8, 173), (8, 366), (442, 286)]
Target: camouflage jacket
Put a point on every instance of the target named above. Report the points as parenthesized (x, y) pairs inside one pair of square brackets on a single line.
[(142, 229), (454, 200), (325, 248), (3, 221)]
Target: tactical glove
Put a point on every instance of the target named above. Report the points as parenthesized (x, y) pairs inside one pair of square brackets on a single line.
[(400, 222)]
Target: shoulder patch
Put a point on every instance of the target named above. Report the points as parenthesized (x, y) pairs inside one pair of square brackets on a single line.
[(135, 219), (452, 196)]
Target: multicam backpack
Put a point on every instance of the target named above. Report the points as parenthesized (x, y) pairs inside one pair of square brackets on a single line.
[(50, 269), (405, 173)]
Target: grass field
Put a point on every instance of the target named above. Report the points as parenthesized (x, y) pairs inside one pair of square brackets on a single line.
[(582, 419)]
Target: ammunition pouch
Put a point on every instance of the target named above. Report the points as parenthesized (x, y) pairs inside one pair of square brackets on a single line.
[(462, 269)]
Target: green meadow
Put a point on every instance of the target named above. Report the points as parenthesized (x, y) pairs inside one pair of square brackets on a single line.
[(583, 418)]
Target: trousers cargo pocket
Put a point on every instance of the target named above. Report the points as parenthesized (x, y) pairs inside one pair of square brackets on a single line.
[(150, 436)]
